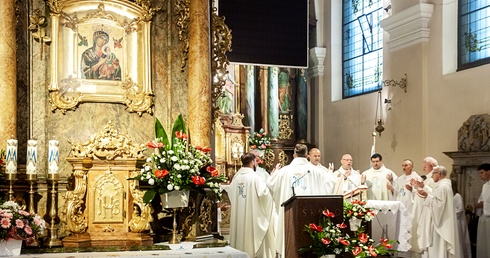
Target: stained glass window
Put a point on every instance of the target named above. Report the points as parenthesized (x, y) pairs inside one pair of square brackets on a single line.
[(474, 33), (362, 46)]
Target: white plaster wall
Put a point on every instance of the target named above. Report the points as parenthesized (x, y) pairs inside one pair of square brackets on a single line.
[(423, 122)]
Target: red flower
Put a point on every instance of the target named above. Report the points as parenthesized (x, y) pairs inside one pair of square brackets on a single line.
[(213, 171), (198, 180), (263, 146), (155, 145), (363, 237), (384, 242), (326, 241), (206, 149), (253, 147), (343, 225), (198, 147), (315, 227), (161, 173), (327, 213), (372, 251), (343, 241), (357, 250), (259, 135), (181, 135)]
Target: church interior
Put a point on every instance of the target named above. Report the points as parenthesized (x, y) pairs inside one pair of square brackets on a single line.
[(163, 58)]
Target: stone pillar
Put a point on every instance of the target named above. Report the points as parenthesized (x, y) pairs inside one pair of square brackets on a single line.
[(199, 74), (250, 97), (301, 100), (273, 103), (8, 76)]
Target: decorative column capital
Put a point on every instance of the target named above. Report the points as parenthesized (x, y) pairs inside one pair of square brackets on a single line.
[(317, 58)]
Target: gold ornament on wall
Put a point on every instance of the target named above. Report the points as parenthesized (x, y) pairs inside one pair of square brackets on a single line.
[(182, 10), (77, 28), (37, 27), (285, 130)]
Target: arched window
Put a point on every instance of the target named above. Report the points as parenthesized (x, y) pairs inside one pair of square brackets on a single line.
[(474, 33), (362, 47)]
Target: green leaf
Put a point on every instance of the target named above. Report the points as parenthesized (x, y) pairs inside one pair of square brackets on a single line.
[(149, 195), (179, 126), (160, 133), (138, 177)]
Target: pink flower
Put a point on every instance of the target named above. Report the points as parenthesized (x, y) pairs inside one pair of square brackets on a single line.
[(25, 213), (19, 223), (28, 230), (5, 222), (8, 215), (37, 222)]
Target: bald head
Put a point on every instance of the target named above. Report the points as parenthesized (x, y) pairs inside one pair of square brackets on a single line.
[(315, 156)]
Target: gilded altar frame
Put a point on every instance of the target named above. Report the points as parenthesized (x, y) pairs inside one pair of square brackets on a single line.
[(123, 75)]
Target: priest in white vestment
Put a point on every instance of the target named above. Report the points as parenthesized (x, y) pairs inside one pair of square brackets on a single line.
[(418, 211), (377, 179), (315, 156), (252, 217), (301, 176), (483, 234), (347, 179), (439, 238), (464, 236), (402, 188)]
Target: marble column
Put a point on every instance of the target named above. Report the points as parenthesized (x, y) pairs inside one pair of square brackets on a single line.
[(273, 103), (199, 74), (249, 119), (302, 106), (8, 76)]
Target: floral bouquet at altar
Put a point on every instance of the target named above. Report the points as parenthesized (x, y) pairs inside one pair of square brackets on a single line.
[(328, 238), (19, 224), (176, 165), (259, 140)]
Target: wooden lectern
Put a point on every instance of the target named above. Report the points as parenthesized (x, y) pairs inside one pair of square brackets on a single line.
[(303, 210)]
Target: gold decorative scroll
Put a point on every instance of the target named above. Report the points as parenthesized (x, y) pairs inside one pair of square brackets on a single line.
[(139, 222), (282, 158), (285, 130), (108, 144), (72, 214), (205, 215), (182, 10), (269, 158), (221, 40), (127, 24)]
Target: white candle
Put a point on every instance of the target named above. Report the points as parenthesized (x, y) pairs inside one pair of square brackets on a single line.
[(31, 167), (11, 158), (53, 157)]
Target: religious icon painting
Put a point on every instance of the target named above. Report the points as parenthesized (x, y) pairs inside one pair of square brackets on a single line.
[(102, 58), (101, 53)]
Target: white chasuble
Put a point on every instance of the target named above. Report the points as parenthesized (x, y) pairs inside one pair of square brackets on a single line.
[(483, 234), (439, 238), (344, 185), (314, 182), (377, 182), (402, 193), (252, 216)]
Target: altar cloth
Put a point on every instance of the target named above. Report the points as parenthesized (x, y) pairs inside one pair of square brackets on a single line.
[(392, 221), (215, 252)]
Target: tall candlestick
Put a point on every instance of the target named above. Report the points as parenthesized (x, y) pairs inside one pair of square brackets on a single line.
[(11, 157), (31, 168), (53, 158)]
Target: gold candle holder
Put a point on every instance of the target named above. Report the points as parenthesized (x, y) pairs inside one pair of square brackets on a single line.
[(175, 233), (11, 177), (53, 213), (32, 178)]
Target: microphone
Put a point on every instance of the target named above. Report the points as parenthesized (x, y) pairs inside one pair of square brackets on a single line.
[(348, 178), (297, 179)]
